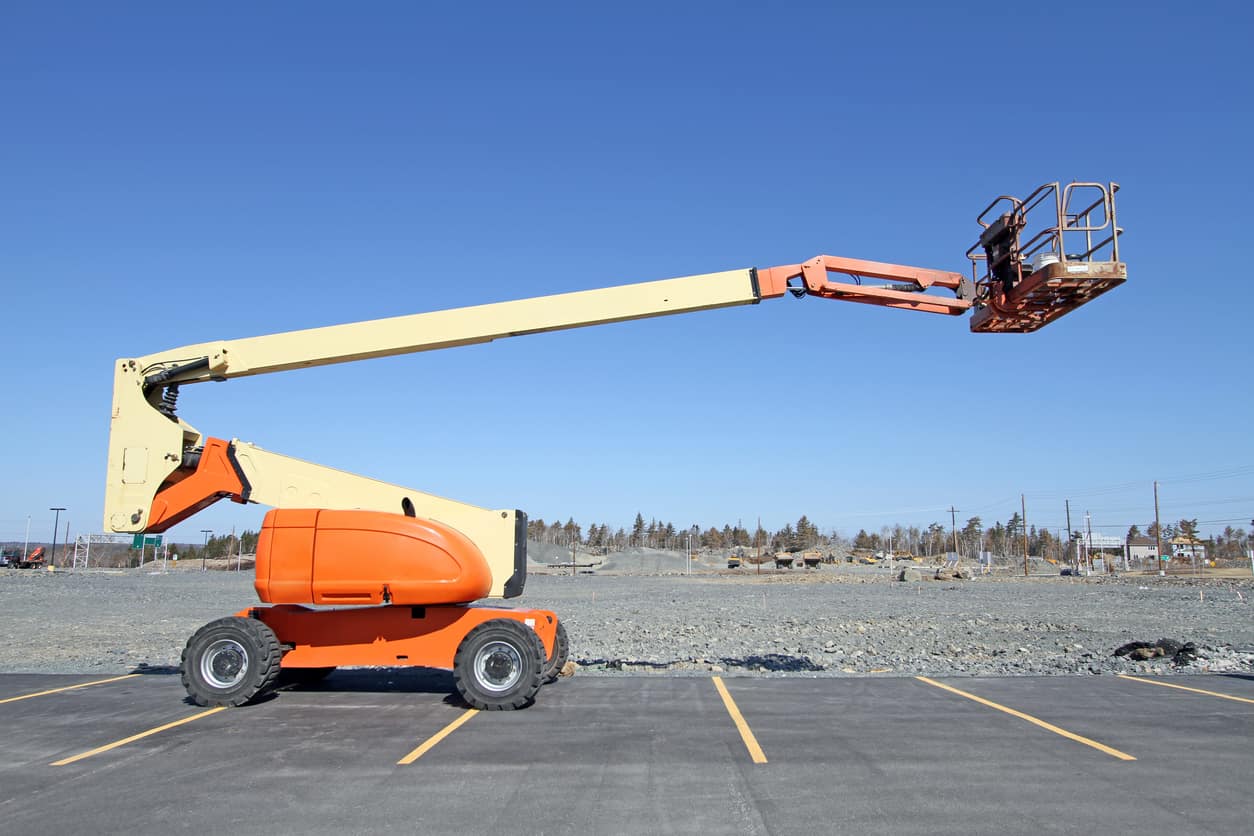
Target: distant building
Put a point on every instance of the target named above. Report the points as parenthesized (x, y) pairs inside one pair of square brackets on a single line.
[(1142, 549), (1094, 547), (1183, 547)]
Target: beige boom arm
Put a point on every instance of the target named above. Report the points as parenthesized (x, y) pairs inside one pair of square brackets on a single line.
[(456, 327), (155, 469)]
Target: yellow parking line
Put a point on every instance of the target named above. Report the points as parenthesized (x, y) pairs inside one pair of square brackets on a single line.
[(1123, 756), (134, 737), (746, 734), (437, 737), (67, 688), (1183, 688)]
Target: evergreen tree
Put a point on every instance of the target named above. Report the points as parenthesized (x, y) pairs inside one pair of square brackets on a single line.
[(865, 541), (971, 533), (806, 535), (1188, 530)]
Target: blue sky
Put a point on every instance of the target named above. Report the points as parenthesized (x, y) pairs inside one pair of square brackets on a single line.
[(171, 177)]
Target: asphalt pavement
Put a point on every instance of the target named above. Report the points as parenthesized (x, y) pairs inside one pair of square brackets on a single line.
[(369, 751)]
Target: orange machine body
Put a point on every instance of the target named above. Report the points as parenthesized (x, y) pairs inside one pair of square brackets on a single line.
[(320, 556), (391, 636)]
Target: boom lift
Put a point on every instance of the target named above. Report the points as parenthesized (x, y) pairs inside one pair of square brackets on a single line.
[(361, 572)]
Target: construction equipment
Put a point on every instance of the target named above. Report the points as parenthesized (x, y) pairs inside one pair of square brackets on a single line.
[(811, 558), (783, 560), (403, 566), (14, 559), (867, 557)]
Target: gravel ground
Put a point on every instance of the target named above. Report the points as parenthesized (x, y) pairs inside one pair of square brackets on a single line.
[(836, 621)]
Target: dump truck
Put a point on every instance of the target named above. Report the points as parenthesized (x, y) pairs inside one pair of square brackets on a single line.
[(783, 560)]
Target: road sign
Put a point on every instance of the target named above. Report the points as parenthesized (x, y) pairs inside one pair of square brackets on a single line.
[(140, 541)]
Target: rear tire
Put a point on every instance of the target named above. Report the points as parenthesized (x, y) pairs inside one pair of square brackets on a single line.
[(498, 665), (561, 654), (230, 662)]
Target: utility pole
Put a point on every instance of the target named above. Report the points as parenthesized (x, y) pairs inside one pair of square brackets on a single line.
[(1023, 506), (1088, 554), (52, 556), (953, 527), (1158, 531), (757, 535), (205, 547), (1070, 542), (26, 544)]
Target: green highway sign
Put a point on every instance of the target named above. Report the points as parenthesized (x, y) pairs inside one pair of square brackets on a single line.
[(140, 541)]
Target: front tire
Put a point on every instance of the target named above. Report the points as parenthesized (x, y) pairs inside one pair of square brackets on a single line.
[(230, 662), (498, 665)]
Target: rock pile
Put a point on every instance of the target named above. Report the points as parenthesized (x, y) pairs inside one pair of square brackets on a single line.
[(1180, 653)]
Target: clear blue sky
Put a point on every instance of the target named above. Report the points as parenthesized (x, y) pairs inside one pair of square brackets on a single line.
[(169, 177)]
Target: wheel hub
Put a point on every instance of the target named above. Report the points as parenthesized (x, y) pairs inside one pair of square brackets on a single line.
[(224, 664), (498, 666)]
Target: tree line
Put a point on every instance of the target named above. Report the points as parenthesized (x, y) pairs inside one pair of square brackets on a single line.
[(658, 534), (936, 539)]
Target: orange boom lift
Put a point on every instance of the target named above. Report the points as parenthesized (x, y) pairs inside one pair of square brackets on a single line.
[(361, 572)]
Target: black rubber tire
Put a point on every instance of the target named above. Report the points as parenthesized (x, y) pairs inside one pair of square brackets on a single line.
[(561, 654), (498, 665), (230, 662)]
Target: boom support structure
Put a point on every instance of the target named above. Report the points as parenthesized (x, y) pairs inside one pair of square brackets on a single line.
[(162, 470)]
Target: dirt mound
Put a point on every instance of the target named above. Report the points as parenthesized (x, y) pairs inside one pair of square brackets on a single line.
[(643, 561)]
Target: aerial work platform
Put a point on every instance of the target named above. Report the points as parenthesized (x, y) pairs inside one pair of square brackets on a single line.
[(1035, 268)]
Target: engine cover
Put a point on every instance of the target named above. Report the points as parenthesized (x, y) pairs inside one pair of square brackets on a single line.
[(320, 556)]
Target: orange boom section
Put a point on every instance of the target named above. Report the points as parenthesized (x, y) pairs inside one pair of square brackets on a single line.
[(318, 556)]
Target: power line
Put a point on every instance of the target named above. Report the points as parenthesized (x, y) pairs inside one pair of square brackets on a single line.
[(1192, 478)]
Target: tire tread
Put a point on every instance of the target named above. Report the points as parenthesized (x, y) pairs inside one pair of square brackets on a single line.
[(525, 691)]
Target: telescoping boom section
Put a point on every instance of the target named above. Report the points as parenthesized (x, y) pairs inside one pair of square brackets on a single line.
[(402, 565)]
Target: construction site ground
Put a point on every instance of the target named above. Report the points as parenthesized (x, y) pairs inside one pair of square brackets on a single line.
[(375, 751)]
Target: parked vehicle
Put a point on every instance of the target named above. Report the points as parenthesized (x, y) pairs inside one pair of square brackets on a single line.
[(13, 558)]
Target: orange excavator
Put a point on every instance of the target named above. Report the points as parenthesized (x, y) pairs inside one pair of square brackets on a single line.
[(354, 571)]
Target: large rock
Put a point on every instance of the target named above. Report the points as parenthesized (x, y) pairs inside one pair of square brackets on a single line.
[(1181, 653)]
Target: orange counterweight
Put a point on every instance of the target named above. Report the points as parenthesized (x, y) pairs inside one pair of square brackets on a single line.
[(320, 556)]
